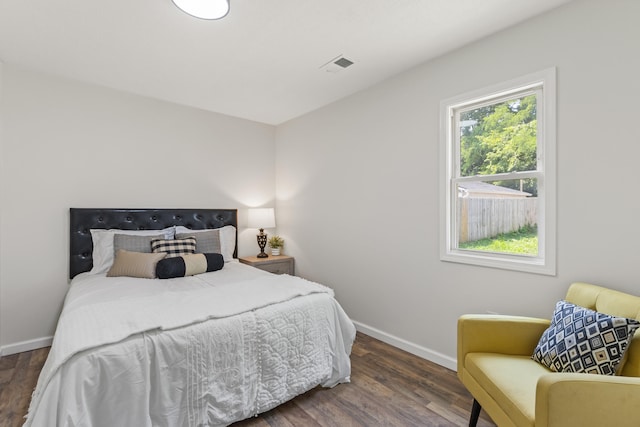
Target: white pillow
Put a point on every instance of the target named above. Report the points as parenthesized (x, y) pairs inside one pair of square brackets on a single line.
[(103, 251), (227, 239)]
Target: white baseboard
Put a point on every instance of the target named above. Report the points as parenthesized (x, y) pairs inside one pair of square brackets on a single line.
[(425, 353), (19, 347)]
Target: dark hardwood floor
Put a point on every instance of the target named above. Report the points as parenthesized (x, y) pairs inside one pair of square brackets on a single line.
[(18, 377), (389, 387)]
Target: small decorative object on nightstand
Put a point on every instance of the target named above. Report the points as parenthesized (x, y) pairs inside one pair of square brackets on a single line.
[(261, 218), (281, 264), (276, 243)]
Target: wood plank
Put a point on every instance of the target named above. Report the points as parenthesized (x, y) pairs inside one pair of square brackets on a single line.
[(15, 395)]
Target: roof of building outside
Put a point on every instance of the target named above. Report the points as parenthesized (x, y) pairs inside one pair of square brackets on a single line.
[(485, 187)]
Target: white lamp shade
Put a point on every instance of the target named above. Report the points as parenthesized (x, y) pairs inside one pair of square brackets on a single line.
[(205, 9), (261, 218)]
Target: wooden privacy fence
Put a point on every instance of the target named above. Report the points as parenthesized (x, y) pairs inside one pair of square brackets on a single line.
[(480, 218)]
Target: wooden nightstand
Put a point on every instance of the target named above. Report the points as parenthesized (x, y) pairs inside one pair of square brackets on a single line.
[(278, 264)]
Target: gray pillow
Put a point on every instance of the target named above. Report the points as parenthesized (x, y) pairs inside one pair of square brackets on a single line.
[(207, 242), (131, 243)]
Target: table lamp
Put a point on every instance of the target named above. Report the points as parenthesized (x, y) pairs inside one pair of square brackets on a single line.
[(261, 218)]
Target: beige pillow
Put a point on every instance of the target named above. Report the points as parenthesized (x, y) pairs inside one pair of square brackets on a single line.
[(135, 264)]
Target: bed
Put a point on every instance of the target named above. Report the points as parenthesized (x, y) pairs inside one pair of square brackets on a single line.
[(206, 349)]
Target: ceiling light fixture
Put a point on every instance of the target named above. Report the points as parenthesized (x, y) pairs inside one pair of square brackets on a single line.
[(204, 9)]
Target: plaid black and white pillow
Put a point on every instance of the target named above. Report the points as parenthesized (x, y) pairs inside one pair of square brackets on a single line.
[(174, 248)]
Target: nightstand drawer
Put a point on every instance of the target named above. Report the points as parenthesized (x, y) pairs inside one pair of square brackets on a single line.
[(279, 264), (277, 268)]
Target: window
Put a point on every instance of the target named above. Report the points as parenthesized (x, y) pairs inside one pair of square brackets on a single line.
[(498, 176)]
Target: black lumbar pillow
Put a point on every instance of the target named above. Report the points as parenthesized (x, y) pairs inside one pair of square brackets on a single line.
[(188, 265)]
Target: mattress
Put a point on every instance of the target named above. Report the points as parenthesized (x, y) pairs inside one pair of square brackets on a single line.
[(204, 350)]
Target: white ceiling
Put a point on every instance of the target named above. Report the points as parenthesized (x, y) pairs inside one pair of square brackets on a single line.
[(262, 62)]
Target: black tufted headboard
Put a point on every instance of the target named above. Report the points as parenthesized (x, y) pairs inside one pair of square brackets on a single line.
[(82, 220)]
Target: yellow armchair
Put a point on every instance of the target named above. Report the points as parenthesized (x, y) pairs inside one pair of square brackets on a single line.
[(495, 365)]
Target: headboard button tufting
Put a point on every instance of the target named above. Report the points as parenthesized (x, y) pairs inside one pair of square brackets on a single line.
[(82, 220)]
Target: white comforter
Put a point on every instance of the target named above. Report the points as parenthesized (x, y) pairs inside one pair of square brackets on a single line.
[(205, 350)]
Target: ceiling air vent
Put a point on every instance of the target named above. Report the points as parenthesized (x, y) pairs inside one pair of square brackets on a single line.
[(338, 63)]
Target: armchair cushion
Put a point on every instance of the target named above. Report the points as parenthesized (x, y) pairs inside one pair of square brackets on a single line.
[(584, 341), (510, 380)]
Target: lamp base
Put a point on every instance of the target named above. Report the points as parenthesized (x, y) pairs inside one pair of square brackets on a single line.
[(262, 242)]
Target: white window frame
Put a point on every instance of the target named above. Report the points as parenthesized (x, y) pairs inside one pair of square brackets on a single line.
[(545, 262)]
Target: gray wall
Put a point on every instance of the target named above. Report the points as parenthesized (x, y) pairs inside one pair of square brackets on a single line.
[(68, 144), (357, 182)]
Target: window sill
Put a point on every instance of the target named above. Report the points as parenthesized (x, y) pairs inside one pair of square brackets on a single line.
[(502, 261)]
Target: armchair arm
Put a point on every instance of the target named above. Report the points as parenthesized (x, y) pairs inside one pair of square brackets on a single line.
[(587, 400), (488, 333)]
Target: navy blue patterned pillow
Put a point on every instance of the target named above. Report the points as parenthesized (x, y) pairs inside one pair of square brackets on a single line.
[(583, 340)]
